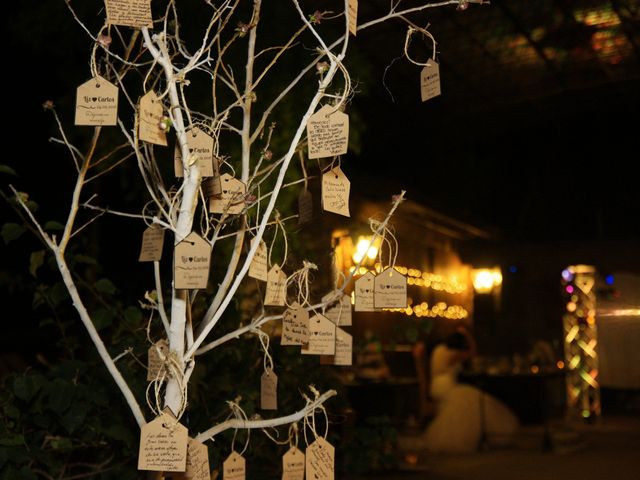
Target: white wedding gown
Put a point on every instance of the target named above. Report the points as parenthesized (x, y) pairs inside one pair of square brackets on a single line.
[(463, 410)]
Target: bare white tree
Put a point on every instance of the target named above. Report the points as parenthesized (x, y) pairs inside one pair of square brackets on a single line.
[(159, 59)]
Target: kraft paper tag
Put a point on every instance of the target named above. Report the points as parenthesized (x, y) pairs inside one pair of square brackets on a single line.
[(305, 207), (129, 13), (320, 460), (150, 113), (197, 462), (276, 292), (155, 365), (322, 336), (295, 326), (293, 464), (258, 268), (211, 186), (234, 467), (97, 103), (335, 192), (152, 243), (231, 199), (328, 133), (390, 289), (200, 145), (364, 293), (191, 262), (163, 445), (269, 391), (430, 81), (339, 311), (344, 350), (353, 17)]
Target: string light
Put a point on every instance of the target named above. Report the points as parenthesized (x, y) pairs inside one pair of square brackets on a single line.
[(440, 310), (416, 277)]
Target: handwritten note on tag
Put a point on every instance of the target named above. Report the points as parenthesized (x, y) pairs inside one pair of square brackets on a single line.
[(320, 460), (191, 262), (276, 292), (430, 81), (234, 467), (150, 113), (155, 364), (97, 103), (305, 207), (328, 133), (364, 292), (129, 13), (293, 464), (269, 391), (322, 336), (152, 243), (258, 268), (390, 290), (353, 17), (335, 192), (163, 445), (339, 310), (197, 462), (344, 350), (231, 200), (200, 146), (295, 326)]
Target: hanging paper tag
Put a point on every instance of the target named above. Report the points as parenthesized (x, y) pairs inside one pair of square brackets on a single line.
[(328, 133), (276, 292), (163, 445), (200, 145), (390, 289), (150, 113), (269, 391), (430, 81), (353, 17), (295, 326), (192, 258), (363, 293), (322, 336), (197, 462), (97, 103), (155, 364), (320, 455), (305, 207), (344, 350), (234, 467), (339, 311), (152, 242), (335, 192), (129, 13), (212, 186), (231, 200), (258, 268), (293, 465)]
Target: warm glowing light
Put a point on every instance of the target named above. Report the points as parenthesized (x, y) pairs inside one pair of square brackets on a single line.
[(560, 364), (484, 279), (535, 369), (365, 247), (571, 307)]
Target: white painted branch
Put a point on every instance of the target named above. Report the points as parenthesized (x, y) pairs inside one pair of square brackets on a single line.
[(161, 309), (273, 422)]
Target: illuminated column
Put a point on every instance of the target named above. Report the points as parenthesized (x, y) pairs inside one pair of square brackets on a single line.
[(580, 341)]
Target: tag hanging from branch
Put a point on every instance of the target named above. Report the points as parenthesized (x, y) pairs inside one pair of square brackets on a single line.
[(151, 126), (430, 75), (234, 467), (129, 13), (276, 292), (293, 463), (197, 467), (192, 259), (320, 460), (201, 150), (335, 192), (353, 17), (163, 445), (339, 310), (259, 268), (156, 356), (152, 243), (268, 380), (344, 350), (390, 290), (364, 293), (322, 336), (232, 198), (295, 326), (328, 133), (97, 103)]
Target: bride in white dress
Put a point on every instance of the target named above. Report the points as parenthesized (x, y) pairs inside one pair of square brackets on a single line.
[(463, 412)]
